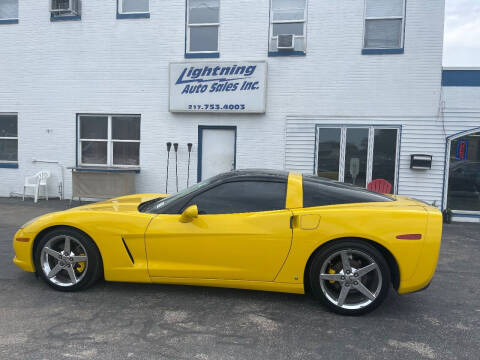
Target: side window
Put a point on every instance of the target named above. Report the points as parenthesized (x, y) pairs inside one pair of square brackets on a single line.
[(317, 192), (241, 197)]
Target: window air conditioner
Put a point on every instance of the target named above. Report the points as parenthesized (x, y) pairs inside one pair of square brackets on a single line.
[(65, 7), (285, 42)]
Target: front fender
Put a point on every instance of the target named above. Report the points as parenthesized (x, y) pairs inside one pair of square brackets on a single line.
[(112, 232)]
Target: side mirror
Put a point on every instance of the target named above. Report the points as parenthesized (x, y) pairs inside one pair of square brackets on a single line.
[(189, 214)]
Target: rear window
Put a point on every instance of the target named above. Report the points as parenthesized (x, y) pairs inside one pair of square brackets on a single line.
[(320, 192)]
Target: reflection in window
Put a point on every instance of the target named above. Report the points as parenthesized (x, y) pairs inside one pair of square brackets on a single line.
[(343, 154), (109, 140), (356, 153), (385, 155), (328, 153), (464, 174)]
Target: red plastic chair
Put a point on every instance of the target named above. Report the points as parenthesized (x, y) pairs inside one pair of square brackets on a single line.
[(381, 186)]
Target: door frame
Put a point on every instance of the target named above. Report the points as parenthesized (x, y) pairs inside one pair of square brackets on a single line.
[(371, 137), (448, 145), (200, 145)]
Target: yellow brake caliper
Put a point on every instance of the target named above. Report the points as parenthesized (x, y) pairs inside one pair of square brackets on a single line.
[(81, 265), (331, 271)]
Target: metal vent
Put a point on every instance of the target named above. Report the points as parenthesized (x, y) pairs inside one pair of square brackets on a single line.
[(285, 42)]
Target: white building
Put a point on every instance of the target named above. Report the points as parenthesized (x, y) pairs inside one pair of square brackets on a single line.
[(346, 89)]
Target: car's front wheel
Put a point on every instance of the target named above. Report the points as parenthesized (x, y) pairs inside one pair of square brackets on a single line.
[(350, 277), (67, 260)]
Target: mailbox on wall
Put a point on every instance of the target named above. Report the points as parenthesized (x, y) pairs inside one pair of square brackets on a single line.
[(420, 161)]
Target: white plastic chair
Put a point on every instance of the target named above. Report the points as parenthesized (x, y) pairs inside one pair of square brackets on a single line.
[(35, 182)]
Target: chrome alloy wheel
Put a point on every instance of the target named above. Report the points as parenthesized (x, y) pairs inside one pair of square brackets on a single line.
[(64, 261), (350, 279)]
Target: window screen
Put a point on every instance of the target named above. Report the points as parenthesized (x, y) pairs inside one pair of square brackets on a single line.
[(241, 197)]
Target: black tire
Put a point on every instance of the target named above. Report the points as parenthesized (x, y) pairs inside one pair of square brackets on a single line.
[(378, 278), (92, 271)]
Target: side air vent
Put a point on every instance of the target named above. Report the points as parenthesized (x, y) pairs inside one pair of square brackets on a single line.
[(128, 251)]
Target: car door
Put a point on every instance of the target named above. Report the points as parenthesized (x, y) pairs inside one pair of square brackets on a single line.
[(242, 233)]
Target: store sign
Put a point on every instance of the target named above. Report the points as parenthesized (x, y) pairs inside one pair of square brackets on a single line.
[(232, 87)]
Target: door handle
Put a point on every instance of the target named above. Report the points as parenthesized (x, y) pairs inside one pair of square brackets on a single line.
[(293, 221)]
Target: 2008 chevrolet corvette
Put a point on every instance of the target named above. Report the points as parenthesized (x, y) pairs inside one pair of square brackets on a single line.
[(250, 229)]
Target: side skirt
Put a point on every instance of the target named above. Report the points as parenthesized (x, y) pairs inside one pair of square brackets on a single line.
[(236, 284)]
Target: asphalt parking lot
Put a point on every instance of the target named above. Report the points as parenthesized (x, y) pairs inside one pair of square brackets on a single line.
[(139, 321)]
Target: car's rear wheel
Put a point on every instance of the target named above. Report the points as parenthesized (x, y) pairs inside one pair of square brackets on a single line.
[(68, 260), (350, 277)]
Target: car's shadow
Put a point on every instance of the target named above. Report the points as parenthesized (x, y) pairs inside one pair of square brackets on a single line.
[(189, 296)]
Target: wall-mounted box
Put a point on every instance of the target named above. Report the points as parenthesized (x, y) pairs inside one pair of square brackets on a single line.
[(420, 161)]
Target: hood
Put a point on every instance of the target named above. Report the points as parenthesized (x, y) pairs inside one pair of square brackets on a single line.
[(126, 203)]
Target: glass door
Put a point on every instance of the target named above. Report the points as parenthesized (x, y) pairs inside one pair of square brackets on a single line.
[(384, 162), (328, 154), (357, 155), (464, 174)]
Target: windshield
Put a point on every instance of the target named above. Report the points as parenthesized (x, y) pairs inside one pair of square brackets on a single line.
[(153, 206)]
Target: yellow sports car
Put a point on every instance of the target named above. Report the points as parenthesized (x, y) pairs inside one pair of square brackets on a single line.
[(249, 229)]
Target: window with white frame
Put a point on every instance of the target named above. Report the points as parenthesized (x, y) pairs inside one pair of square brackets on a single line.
[(109, 140), (288, 20), (8, 9), (203, 23), (133, 6), (384, 24), (8, 138), (358, 154)]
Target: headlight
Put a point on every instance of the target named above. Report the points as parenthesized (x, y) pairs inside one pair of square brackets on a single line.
[(29, 222)]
